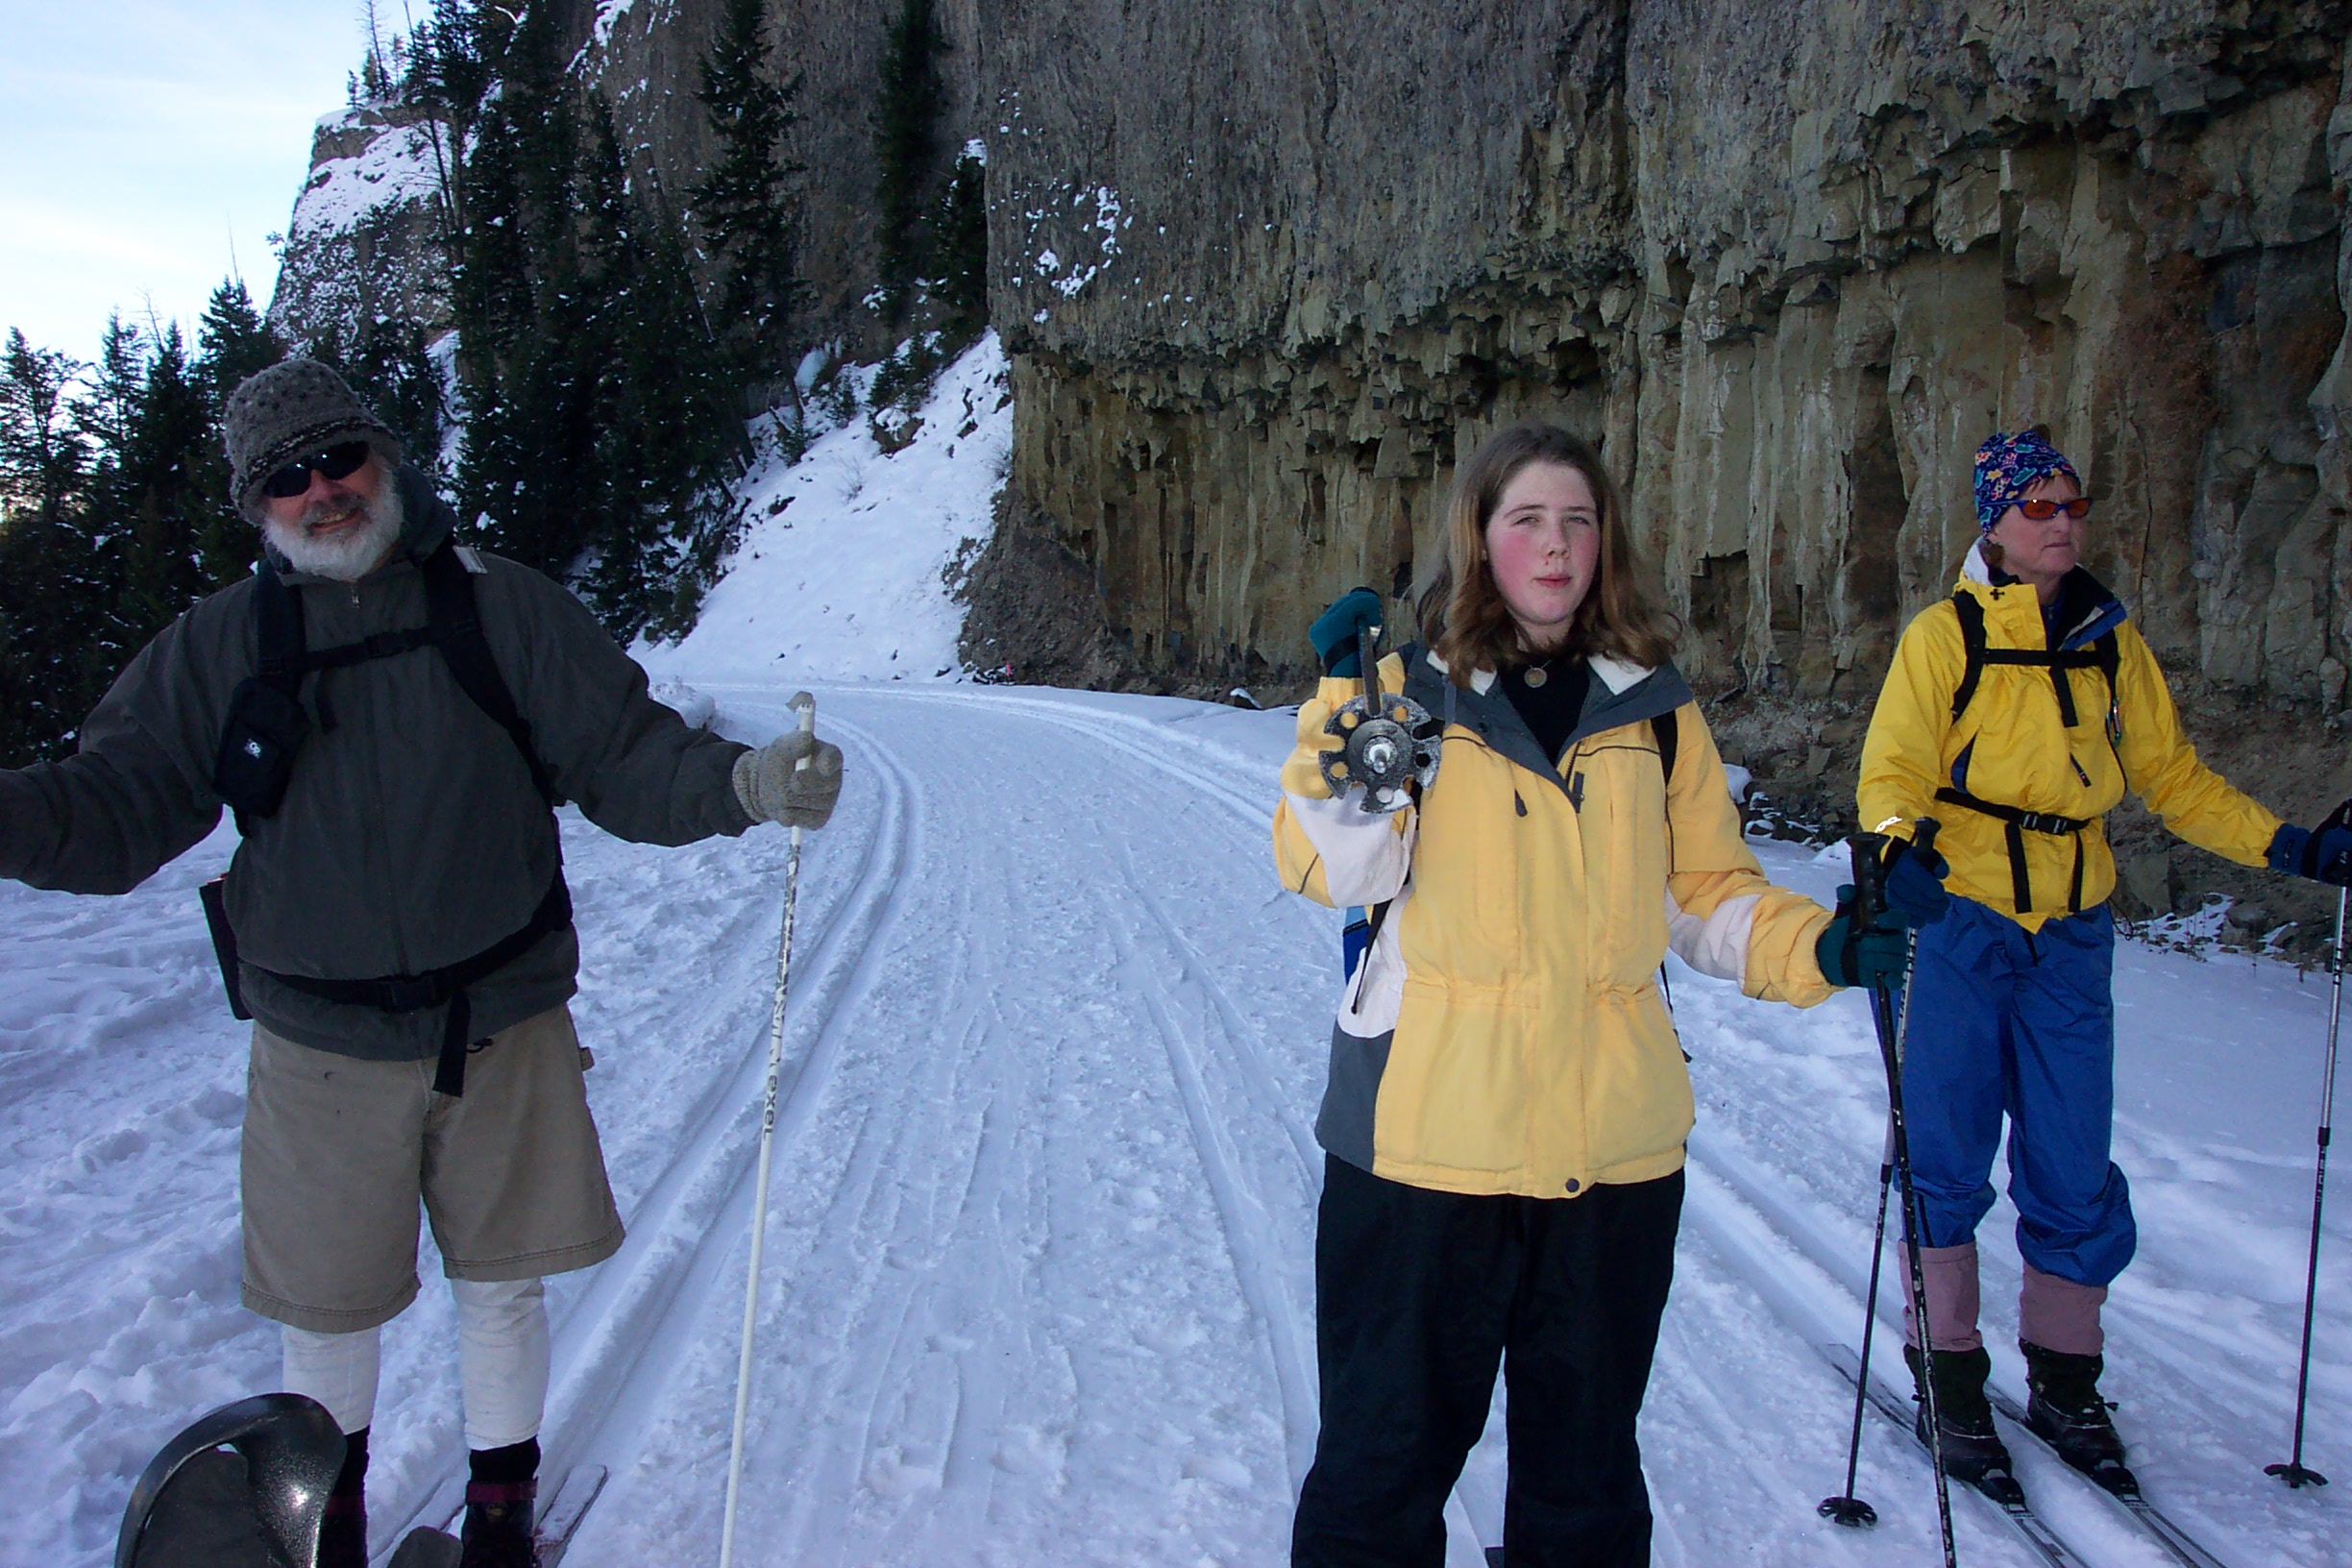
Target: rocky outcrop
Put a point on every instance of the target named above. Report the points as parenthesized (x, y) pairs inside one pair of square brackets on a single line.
[(1267, 279), (1268, 273), (1790, 262), (365, 240)]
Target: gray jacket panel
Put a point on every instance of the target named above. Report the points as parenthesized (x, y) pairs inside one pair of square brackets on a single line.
[(411, 836)]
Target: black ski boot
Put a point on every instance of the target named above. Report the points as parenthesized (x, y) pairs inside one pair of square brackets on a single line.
[(502, 1506), (1971, 1448), (499, 1520), (2066, 1412)]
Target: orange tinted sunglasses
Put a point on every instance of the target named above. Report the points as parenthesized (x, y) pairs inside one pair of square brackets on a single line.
[(2041, 512)]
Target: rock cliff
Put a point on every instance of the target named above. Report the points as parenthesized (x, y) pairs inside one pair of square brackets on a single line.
[(1268, 278), (1268, 273)]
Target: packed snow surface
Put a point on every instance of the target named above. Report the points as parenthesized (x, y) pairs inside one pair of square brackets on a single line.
[(844, 571), (1038, 1285), (1039, 1281)]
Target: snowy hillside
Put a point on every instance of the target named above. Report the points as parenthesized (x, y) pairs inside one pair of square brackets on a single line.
[(842, 575), (1039, 1279)]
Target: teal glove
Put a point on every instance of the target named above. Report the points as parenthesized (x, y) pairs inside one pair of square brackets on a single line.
[(1877, 954), (1335, 631)]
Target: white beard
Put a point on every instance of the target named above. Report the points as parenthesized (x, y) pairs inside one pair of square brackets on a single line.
[(342, 557)]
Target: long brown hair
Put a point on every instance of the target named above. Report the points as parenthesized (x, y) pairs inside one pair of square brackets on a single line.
[(1463, 617)]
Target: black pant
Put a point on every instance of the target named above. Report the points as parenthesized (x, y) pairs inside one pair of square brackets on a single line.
[(1418, 1295)]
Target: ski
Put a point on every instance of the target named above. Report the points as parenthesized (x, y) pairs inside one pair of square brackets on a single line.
[(425, 1547), (2011, 1501), (560, 1519), (2177, 1542)]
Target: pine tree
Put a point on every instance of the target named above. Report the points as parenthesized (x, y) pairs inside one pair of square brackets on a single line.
[(159, 496), (906, 148), (233, 342), (58, 582), (666, 406), (44, 459), (961, 253), (743, 205), (54, 589)]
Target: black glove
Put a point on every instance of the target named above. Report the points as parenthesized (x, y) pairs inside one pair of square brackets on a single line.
[(1915, 883), (1338, 630), (1874, 955), (2324, 854)]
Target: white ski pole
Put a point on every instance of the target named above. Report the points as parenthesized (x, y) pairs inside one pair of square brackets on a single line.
[(806, 706)]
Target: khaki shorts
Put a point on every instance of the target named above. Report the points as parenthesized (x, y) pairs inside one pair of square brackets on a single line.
[(339, 1151)]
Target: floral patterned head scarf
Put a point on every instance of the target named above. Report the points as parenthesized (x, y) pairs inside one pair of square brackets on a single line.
[(2007, 466)]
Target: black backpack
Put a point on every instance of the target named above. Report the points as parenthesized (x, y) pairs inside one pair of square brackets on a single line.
[(2100, 655), (266, 728)]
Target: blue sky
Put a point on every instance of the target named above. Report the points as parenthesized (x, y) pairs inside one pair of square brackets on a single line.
[(139, 142)]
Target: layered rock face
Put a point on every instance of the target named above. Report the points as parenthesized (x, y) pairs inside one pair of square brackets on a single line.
[(1267, 274), (1268, 278)]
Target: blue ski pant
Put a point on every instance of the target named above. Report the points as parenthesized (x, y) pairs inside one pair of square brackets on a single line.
[(2008, 1021)]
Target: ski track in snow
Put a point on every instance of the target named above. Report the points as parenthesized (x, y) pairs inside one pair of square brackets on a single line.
[(1040, 1278)]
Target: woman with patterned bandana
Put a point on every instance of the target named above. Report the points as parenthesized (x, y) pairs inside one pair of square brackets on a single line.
[(2017, 713)]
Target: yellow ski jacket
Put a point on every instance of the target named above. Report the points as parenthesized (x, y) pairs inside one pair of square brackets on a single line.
[(1504, 1031), (2011, 749)]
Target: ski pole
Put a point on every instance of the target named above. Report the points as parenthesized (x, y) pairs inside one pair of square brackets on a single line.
[(805, 707), (1846, 1508), (1870, 901), (2293, 1472)]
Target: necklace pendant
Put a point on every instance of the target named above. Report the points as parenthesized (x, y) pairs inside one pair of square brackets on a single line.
[(1536, 676)]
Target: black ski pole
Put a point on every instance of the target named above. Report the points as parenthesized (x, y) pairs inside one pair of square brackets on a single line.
[(1870, 901), (1846, 1508), (2294, 1473)]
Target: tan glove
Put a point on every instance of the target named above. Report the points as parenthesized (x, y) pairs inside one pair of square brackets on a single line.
[(774, 788)]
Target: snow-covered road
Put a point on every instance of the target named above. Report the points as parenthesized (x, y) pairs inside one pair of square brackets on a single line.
[(1039, 1284)]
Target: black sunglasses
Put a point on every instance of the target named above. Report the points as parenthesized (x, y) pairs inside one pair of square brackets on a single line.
[(336, 462)]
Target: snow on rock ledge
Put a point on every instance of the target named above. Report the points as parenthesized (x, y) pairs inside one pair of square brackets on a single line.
[(844, 571), (361, 244)]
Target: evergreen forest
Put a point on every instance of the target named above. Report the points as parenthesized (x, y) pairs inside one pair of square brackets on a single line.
[(600, 344)]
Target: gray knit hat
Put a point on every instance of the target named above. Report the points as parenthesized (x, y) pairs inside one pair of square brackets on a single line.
[(291, 410)]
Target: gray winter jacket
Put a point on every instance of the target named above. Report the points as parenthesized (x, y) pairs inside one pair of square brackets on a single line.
[(411, 836)]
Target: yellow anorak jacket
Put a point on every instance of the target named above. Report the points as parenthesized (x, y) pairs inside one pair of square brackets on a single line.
[(2011, 746), (1504, 1033)]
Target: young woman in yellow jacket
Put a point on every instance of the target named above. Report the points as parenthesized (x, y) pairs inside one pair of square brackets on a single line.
[(2017, 713), (1508, 1101)]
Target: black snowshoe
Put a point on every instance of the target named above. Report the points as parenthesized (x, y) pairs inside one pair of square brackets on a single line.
[(196, 1506), (1966, 1439), (2066, 1412)]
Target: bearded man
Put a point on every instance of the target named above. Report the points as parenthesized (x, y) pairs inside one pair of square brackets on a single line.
[(393, 716)]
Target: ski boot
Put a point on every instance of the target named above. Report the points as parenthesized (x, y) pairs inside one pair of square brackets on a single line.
[(1966, 1439), (2066, 1412), (499, 1521), (342, 1540)]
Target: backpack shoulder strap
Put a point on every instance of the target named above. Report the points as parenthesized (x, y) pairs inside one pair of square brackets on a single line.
[(277, 626), (457, 631), (1973, 641), (1667, 727)]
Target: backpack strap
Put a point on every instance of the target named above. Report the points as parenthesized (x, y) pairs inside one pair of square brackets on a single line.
[(278, 628), (457, 631), (1973, 642)]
